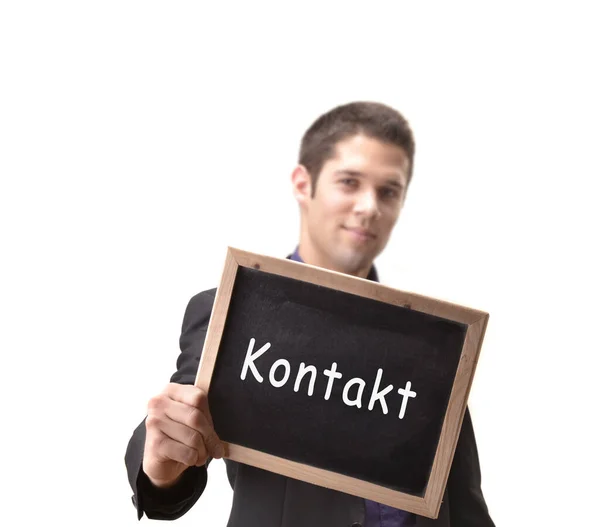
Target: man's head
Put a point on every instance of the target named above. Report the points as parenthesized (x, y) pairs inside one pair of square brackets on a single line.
[(354, 168)]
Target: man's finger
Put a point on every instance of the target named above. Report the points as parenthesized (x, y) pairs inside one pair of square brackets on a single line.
[(167, 431), (176, 451), (196, 420), (186, 394)]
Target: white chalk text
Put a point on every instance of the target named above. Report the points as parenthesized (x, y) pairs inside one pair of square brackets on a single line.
[(352, 393)]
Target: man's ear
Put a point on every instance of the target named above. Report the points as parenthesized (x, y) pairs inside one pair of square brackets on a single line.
[(301, 185)]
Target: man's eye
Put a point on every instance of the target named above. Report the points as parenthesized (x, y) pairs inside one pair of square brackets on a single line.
[(349, 182), (389, 193)]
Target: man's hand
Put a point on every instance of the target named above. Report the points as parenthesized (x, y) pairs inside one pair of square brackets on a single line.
[(179, 434)]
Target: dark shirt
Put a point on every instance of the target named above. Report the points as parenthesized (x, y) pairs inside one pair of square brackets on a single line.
[(376, 514)]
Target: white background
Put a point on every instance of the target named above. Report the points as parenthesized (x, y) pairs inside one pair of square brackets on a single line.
[(139, 139)]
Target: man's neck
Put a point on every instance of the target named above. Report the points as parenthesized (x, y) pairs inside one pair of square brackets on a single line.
[(299, 255)]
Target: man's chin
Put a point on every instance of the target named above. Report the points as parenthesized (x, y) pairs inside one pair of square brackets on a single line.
[(354, 263)]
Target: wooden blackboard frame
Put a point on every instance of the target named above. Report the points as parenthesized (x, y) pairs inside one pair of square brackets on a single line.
[(475, 320)]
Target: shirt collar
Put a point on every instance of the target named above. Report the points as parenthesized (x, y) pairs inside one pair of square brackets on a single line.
[(295, 256)]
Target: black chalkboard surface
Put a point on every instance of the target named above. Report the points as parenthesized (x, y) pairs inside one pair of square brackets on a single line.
[(339, 381)]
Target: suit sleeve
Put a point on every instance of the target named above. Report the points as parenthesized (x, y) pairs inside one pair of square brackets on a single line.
[(170, 504), (465, 497)]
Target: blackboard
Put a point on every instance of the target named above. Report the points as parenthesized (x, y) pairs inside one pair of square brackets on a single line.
[(339, 381)]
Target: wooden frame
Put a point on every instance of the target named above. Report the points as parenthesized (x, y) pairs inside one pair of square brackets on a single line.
[(430, 503)]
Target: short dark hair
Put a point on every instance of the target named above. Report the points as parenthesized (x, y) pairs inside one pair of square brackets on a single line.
[(373, 119)]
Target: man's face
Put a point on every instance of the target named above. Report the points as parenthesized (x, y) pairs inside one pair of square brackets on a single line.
[(357, 200)]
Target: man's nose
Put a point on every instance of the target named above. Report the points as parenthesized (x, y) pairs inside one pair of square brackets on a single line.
[(367, 204)]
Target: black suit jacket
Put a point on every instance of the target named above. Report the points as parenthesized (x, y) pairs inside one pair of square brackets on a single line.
[(265, 499)]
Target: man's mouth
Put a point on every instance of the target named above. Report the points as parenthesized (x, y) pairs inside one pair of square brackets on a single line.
[(361, 233)]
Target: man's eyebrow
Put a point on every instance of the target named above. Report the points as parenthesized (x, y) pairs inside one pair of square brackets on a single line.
[(357, 173), (395, 183), (349, 172)]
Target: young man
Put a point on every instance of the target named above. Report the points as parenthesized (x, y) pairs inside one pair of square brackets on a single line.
[(353, 173)]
